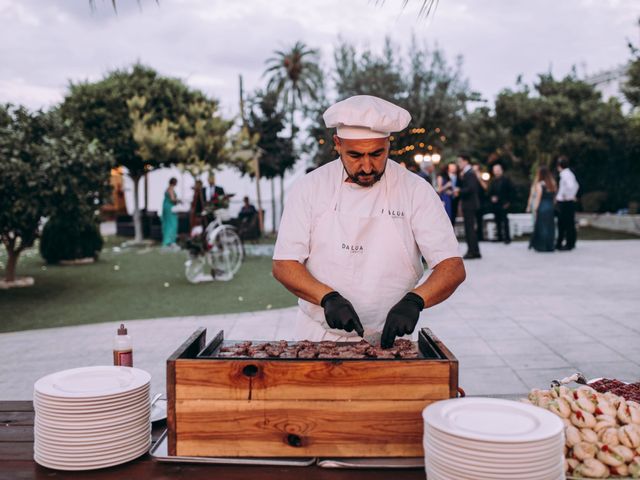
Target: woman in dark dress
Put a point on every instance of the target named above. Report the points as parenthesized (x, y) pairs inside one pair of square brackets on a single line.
[(541, 204), (445, 183)]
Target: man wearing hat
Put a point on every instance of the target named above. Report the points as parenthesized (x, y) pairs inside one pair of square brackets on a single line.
[(354, 231)]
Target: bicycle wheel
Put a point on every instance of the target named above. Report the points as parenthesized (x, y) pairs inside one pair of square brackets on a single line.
[(194, 268), (225, 252)]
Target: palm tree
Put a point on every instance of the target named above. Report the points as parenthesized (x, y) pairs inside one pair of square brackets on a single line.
[(295, 77)]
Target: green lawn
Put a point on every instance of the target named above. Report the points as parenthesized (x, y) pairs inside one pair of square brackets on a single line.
[(130, 285)]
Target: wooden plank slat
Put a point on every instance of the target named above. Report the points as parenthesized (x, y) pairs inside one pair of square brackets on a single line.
[(189, 349), (23, 470), (304, 428), (18, 418), (312, 380), (16, 433), (16, 451), (16, 406)]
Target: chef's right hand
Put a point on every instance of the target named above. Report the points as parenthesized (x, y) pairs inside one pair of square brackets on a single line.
[(340, 314)]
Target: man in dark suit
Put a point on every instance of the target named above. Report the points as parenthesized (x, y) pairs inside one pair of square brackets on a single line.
[(501, 195), (213, 192), (468, 191)]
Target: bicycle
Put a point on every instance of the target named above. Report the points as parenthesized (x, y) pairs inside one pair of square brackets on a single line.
[(215, 251)]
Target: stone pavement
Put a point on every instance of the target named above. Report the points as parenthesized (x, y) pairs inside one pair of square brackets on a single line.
[(520, 320)]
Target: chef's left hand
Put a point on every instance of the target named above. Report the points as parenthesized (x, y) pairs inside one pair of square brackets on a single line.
[(402, 318)]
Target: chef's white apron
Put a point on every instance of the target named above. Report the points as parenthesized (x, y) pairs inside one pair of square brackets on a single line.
[(365, 259)]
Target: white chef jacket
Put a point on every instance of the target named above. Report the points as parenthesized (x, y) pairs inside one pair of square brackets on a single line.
[(421, 219), (569, 186)]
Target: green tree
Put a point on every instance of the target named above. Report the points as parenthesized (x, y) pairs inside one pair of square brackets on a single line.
[(294, 76), (421, 81), (196, 143), (532, 126), (631, 87), (47, 169), (266, 122), (103, 111)]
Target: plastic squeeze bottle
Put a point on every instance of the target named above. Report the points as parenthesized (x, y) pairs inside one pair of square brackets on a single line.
[(122, 348)]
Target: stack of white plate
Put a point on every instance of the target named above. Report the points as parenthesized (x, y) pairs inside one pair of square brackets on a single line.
[(91, 417), (492, 439)]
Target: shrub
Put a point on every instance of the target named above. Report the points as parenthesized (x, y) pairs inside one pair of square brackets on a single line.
[(64, 239), (594, 202)]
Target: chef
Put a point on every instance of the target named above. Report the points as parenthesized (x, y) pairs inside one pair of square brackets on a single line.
[(353, 233)]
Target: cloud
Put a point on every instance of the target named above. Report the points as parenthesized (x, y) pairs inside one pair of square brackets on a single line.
[(210, 42)]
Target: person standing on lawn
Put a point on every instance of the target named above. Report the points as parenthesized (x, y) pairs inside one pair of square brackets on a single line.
[(169, 217)]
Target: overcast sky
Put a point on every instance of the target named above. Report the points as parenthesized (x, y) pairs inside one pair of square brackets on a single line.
[(45, 43)]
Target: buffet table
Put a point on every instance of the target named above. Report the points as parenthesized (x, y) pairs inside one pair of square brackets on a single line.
[(16, 460)]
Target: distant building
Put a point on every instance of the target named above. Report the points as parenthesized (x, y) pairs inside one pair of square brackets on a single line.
[(609, 83)]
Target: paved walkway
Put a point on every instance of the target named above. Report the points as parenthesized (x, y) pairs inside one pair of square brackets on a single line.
[(520, 320)]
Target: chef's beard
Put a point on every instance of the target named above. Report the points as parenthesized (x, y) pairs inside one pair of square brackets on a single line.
[(363, 179)]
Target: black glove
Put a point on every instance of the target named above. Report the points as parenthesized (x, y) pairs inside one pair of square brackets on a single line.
[(340, 314), (402, 318)]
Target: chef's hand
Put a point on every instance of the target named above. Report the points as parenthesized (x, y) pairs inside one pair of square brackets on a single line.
[(402, 318), (340, 314)]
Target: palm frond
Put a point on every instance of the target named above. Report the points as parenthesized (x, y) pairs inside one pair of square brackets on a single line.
[(427, 7)]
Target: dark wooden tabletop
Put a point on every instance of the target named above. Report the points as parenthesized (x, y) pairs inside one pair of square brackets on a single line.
[(16, 461)]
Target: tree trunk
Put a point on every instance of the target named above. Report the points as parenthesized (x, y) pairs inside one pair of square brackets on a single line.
[(293, 111), (12, 262), (137, 223), (273, 204), (281, 194), (258, 196)]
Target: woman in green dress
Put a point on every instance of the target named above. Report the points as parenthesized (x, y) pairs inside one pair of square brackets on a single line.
[(169, 217)]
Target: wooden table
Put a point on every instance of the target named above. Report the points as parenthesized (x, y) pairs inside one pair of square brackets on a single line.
[(16, 460)]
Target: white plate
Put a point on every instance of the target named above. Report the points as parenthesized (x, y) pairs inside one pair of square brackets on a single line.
[(82, 424), (87, 446), (104, 441), (492, 447), (80, 417), (90, 436), (509, 458), (482, 465), (493, 420), (90, 456), (103, 431), (159, 410), (45, 462), (74, 429), (91, 403), (498, 473), (91, 450), (92, 382)]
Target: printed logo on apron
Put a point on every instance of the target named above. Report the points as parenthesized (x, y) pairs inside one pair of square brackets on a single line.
[(373, 269)]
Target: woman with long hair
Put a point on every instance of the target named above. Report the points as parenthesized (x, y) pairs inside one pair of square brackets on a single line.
[(541, 205), (169, 217), (445, 183)]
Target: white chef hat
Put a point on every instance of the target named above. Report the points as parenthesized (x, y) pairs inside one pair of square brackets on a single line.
[(365, 116)]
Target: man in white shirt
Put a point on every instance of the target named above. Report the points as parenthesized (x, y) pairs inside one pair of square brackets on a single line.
[(566, 201), (354, 230)]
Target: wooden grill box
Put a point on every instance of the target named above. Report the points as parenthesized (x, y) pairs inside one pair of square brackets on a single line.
[(302, 407)]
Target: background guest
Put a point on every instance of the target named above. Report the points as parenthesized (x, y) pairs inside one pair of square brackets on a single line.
[(501, 193), (482, 198), (247, 210), (169, 217), (541, 204), (444, 186), (566, 198), (469, 193), (197, 205), (213, 192)]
